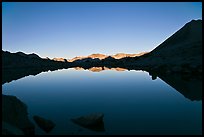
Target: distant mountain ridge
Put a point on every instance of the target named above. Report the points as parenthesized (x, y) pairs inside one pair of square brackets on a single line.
[(92, 56), (60, 59), (102, 56)]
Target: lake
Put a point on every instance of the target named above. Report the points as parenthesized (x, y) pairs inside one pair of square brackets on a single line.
[(131, 101)]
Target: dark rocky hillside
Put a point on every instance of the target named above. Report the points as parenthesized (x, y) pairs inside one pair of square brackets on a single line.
[(182, 52)]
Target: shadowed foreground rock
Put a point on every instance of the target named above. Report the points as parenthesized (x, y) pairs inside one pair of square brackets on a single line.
[(15, 117), (93, 121), (44, 124), (8, 129)]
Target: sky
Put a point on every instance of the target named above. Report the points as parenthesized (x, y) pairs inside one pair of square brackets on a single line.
[(70, 29)]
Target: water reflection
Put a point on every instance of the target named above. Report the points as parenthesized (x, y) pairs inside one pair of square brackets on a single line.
[(131, 101), (9, 75), (99, 69), (188, 86)]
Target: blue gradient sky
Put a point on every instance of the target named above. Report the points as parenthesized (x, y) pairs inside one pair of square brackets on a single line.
[(79, 29)]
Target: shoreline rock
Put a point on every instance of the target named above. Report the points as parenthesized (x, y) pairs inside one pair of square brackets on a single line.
[(14, 112)]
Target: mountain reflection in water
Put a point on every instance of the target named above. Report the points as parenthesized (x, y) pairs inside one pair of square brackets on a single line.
[(189, 86), (142, 106), (99, 69)]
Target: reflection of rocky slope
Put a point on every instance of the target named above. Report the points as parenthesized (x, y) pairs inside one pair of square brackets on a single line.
[(99, 69), (96, 69), (180, 52), (13, 74), (190, 87)]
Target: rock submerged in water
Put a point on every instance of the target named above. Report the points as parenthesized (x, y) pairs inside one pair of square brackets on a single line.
[(15, 117), (44, 124), (92, 121)]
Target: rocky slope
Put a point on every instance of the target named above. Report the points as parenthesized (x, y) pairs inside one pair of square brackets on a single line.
[(22, 60), (123, 55), (33, 55), (180, 52)]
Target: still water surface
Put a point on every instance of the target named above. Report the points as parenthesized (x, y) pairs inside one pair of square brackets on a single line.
[(131, 101)]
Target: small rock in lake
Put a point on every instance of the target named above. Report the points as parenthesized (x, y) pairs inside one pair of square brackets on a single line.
[(92, 121), (45, 124)]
